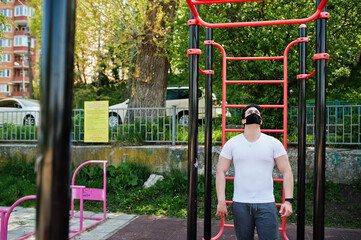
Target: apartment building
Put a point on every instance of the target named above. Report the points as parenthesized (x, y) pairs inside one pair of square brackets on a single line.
[(14, 60)]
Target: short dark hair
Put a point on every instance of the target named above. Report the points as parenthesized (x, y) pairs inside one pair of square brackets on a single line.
[(249, 106)]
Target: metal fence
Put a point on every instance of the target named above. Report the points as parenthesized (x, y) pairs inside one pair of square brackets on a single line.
[(343, 126), (170, 125)]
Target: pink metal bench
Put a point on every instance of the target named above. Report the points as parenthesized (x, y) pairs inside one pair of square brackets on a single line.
[(77, 192), (84, 193), (5, 215)]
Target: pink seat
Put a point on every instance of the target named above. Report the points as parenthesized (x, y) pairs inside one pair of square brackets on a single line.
[(84, 193), (77, 192)]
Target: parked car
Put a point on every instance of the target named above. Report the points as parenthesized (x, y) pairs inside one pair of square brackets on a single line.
[(19, 111), (176, 96)]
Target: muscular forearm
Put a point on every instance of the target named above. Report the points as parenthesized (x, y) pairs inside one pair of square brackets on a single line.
[(221, 185), (288, 184)]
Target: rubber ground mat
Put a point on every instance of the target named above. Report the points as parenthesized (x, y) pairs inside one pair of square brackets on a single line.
[(163, 228)]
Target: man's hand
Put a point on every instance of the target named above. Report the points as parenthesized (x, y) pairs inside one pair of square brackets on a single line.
[(286, 209), (222, 209)]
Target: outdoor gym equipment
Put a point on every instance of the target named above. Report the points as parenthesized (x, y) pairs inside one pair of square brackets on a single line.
[(84, 193), (77, 192), (5, 215), (282, 106), (320, 57)]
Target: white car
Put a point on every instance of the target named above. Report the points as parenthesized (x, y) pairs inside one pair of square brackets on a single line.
[(19, 111), (176, 96)]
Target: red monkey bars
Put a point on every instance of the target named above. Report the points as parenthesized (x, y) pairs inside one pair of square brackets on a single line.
[(283, 106), (198, 20), (321, 16)]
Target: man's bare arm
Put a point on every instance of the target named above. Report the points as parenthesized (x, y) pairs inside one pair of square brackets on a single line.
[(222, 168), (284, 166)]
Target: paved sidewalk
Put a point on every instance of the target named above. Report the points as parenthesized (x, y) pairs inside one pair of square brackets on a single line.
[(22, 222)]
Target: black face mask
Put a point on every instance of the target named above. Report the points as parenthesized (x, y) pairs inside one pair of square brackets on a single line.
[(253, 119)]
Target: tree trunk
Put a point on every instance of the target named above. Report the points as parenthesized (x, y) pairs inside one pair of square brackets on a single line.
[(151, 74)]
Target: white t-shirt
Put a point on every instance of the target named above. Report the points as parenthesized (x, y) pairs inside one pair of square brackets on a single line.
[(253, 163)]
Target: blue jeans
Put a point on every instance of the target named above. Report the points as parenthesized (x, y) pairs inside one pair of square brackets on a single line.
[(263, 216)]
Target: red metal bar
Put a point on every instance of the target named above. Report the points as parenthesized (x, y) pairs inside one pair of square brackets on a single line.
[(262, 106), (254, 58), (285, 86), (201, 2), (224, 73), (321, 56), (253, 81), (229, 225), (306, 76), (262, 130), (193, 51), (191, 4), (206, 71)]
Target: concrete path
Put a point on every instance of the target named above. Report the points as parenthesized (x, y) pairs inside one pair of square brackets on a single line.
[(22, 222)]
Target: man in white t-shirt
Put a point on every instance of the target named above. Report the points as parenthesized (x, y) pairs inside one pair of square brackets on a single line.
[(254, 155)]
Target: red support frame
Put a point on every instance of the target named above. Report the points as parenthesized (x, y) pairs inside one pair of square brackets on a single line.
[(192, 3), (283, 106)]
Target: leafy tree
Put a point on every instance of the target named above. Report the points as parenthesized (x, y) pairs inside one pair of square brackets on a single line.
[(152, 64)]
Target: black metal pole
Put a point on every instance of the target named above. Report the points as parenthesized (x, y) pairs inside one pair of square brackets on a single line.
[(193, 135), (301, 137), (53, 163), (208, 141), (320, 131)]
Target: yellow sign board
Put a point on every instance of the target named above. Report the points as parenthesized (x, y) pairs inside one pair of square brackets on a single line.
[(96, 117)]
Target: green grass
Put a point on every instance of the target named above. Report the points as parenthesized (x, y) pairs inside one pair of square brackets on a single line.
[(17, 179), (125, 192)]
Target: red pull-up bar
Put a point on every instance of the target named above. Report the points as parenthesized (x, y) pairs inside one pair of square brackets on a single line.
[(199, 21)]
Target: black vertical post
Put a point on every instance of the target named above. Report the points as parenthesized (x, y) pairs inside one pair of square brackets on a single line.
[(301, 137), (53, 163), (193, 134), (208, 141), (320, 131)]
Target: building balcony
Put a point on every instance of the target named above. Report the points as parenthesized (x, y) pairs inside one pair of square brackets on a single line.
[(21, 20), (18, 64), (21, 50), (24, 33), (20, 94), (19, 79)]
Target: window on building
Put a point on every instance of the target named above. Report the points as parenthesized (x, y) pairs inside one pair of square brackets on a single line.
[(20, 41), (19, 58), (4, 88), (5, 73), (5, 27), (5, 58), (24, 11), (5, 43), (7, 12), (21, 73)]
